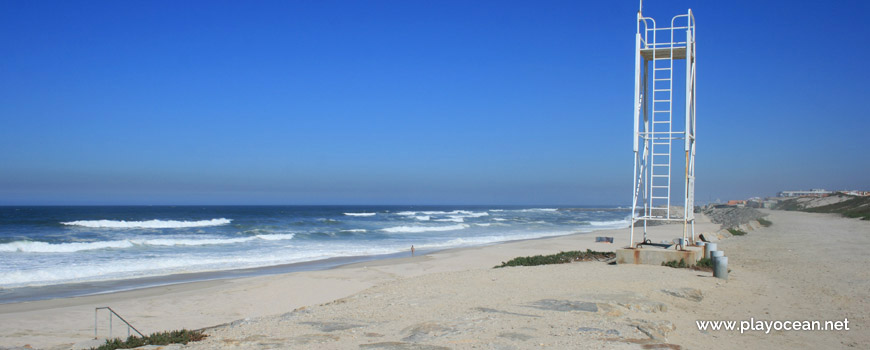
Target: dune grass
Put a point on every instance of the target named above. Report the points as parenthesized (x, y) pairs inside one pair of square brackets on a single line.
[(559, 258), (183, 336), (737, 232), (705, 264)]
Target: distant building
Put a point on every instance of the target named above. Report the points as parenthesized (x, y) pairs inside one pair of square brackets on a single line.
[(738, 203), (816, 192)]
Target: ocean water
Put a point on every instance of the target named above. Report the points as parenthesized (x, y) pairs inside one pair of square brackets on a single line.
[(51, 246)]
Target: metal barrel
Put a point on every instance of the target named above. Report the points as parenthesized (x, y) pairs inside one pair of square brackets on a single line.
[(708, 248), (720, 267), (713, 255)]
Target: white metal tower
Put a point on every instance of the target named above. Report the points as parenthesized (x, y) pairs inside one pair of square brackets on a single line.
[(657, 50)]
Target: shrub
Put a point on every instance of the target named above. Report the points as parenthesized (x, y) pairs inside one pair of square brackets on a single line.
[(160, 338), (764, 222), (704, 264), (559, 258), (736, 232), (673, 263)]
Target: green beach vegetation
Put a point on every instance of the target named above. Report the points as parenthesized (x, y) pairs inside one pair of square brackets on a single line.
[(705, 264), (183, 336), (737, 232), (559, 258), (675, 264)]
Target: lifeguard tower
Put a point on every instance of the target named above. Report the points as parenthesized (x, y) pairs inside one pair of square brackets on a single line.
[(657, 134)]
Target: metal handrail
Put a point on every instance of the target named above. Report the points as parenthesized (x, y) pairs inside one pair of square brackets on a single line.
[(672, 42), (112, 312)]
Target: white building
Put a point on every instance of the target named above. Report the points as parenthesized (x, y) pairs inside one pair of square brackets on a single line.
[(816, 192)]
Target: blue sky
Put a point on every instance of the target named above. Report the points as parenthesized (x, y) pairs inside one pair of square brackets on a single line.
[(411, 102)]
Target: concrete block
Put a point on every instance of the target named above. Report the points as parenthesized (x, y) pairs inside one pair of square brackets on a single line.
[(657, 256)]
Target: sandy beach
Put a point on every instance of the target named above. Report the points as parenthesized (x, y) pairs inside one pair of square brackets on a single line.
[(804, 267)]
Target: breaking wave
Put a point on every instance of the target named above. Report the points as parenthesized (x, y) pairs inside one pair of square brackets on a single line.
[(44, 247), (465, 213), (147, 224), (453, 218), (276, 237), (416, 229), (547, 210), (360, 214)]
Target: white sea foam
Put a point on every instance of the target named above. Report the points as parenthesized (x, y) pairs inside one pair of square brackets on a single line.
[(276, 237), (453, 218), (416, 229), (460, 242), (132, 268), (616, 223), (355, 230), (463, 213), (165, 265), (190, 242), (360, 214), (547, 210), (484, 225), (422, 217), (480, 240), (211, 241), (499, 219), (43, 247), (147, 224)]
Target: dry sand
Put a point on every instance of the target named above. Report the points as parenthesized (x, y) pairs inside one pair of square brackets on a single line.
[(804, 267)]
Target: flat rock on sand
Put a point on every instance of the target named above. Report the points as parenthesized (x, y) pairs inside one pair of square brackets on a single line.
[(692, 294)]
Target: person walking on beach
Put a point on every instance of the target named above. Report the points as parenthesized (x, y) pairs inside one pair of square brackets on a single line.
[(412, 250)]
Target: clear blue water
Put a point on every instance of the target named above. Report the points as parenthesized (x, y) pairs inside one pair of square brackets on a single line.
[(49, 246)]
